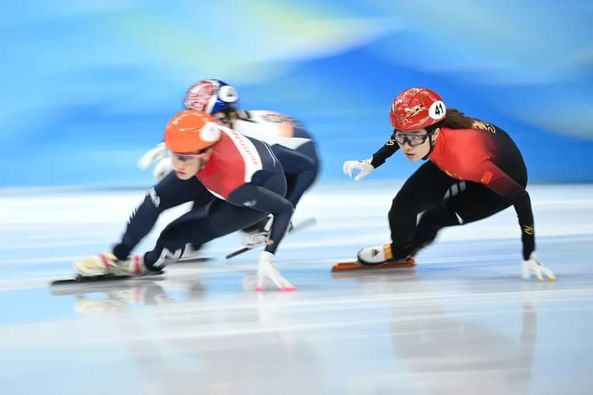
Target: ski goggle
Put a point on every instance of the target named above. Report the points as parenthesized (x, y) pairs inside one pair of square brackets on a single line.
[(412, 139), (185, 157)]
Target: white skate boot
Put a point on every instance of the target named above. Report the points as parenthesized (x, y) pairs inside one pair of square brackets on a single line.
[(371, 258), (258, 234), (258, 237), (252, 240), (107, 264), (375, 255), (190, 253)]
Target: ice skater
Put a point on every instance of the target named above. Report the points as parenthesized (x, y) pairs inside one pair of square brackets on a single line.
[(237, 180), (473, 170), (291, 142)]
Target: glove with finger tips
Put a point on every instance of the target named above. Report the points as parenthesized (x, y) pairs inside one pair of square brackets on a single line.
[(267, 271), (364, 168), (532, 265)]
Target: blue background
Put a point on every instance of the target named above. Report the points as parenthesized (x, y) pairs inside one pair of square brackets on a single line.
[(87, 87)]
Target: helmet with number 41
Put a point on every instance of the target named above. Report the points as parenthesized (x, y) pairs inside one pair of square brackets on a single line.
[(417, 108)]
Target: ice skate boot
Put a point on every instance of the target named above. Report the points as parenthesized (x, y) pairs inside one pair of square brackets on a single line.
[(380, 257), (191, 252), (255, 239), (375, 255), (107, 265), (258, 233)]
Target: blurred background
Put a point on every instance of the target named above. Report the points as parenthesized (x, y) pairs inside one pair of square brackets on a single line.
[(87, 87)]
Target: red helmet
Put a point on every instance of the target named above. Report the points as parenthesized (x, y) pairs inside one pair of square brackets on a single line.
[(211, 96), (416, 108), (191, 131)]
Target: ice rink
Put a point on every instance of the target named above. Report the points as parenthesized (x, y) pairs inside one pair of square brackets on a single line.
[(462, 322)]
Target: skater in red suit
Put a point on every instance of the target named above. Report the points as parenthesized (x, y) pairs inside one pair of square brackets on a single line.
[(239, 181), (473, 170)]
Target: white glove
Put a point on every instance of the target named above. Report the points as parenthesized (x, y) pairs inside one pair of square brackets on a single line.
[(164, 167), (533, 266), (152, 155), (267, 270), (364, 166)]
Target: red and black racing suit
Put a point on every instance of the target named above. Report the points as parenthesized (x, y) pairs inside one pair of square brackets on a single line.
[(470, 174)]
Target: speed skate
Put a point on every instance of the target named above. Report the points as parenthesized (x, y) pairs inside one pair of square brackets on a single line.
[(355, 265), (78, 279)]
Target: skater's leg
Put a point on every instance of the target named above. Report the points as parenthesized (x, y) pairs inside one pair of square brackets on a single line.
[(474, 203), (477, 202), (301, 167), (431, 222), (423, 190), (199, 227), (168, 193)]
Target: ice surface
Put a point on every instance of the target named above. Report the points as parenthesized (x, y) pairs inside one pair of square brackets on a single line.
[(462, 322)]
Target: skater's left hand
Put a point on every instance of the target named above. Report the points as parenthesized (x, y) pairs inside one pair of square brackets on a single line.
[(267, 270), (532, 265)]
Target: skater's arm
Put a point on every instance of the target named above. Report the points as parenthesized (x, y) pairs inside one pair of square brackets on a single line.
[(501, 183), (262, 199), (384, 152), (367, 166)]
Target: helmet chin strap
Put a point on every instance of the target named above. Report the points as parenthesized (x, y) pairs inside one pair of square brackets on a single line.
[(431, 142), (203, 162)]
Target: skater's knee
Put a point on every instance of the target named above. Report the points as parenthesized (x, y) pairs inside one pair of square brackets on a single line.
[(401, 207), (439, 217)]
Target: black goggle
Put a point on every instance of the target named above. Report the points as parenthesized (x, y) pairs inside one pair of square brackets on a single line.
[(413, 140)]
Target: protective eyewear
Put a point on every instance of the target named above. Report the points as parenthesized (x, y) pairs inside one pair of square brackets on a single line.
[(412, 139), (185, 157)]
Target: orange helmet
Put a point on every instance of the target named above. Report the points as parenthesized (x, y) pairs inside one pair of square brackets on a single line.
[(191, 131), (416, 108)]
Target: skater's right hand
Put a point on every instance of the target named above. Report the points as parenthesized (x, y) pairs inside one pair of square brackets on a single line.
[(152, 155), (267, 270), (532, 265), (364, 166)]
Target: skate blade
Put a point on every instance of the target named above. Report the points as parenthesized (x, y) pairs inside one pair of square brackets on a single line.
[(193, 259), (302, 225), (351, 266), (98, 279)]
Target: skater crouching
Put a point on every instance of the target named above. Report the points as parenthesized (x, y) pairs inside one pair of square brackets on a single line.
[(237, 178), (291, 143), (473, 170)]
